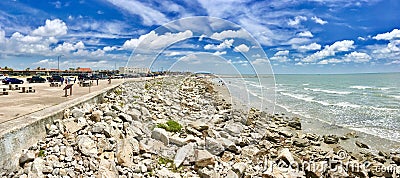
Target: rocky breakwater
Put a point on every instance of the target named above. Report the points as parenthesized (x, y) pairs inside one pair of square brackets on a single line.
[(181, 127)]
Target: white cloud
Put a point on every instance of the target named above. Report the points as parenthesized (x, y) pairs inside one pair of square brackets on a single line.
[(339, 46), (223, 45), (241, 48), (318, 20), (109, 48), (297, 20), (282, 53), (154, 41), (229, 34), (330, 61), (309, 47), (281, 56), (218, 53), (54, 27), (149, 15), (306, 34), (260, 61), (394, 34), (68, 47), (294, 41), (357, 57)]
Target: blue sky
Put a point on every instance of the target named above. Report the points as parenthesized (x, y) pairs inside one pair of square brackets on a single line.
[(310, 36)]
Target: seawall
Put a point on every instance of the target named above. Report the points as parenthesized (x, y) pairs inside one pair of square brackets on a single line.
[(23, 132)]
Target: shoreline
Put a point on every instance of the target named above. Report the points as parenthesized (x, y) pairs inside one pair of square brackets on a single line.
[(318, 126)]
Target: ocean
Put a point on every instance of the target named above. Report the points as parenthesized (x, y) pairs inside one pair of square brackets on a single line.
[(368, 103)]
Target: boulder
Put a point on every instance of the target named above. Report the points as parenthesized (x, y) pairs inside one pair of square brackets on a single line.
[(362, 145), (161, 135), (199, 126), (96, 116), (331, 139), (214, 147), (182, 153), (234, 129), (77, 113), (28, 156), (203, 158), (86, 145), (126, 148), (285, 155)]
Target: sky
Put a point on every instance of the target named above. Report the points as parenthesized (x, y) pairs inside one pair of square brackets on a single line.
[(221, 36)]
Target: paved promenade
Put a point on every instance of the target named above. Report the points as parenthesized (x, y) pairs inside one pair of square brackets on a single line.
[(16, 104)]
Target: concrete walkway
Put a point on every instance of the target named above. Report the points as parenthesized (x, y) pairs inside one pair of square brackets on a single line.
[(16, 104)]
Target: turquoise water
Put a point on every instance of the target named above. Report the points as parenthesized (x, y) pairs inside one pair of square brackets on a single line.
[(368, 103)]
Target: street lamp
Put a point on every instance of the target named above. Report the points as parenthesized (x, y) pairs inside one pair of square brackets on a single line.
[(58, 59)]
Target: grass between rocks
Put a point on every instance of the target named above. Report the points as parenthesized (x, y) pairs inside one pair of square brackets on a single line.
[(170, 126)]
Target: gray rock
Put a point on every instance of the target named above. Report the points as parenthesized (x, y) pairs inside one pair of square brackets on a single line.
[(125, 117), (199, 126), (117, 108), (234, 128), (28, 156), (161, 135), (77, 113), (72, 126), (53, 131), (239, 168), (300, 142), (208, 173), (214, 147), (125, 151), (231, 174)]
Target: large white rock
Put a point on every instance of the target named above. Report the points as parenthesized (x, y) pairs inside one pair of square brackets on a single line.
[(182, 153), (203, 158), (86, 145)]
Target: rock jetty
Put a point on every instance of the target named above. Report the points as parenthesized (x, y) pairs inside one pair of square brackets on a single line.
[(182, 127)]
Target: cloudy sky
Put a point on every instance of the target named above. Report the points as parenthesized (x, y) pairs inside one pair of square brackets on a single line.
[(298, 36)]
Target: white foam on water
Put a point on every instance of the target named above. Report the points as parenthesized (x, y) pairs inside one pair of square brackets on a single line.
[(347, 104), (361, 87), (299, 96), (328, 91)]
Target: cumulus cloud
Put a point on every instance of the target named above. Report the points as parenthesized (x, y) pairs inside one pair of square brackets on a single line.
[(281, 56), (68, 47), (297, 20), (260, 61), (218, 53), (318, 20), (305, 34), (309, 47), (154, 41), (357, 57), (54, 27), (330, 61), (330, 50), (223, 45), (241, 48), (230, 34), (394, 34)]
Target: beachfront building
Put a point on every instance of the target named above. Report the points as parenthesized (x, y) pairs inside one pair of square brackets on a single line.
[(133, 70)]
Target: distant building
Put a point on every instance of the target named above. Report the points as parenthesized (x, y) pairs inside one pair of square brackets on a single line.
[(133, 70), (84, 70)]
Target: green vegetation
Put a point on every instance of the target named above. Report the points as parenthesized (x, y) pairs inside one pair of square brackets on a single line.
[(118, 92), (146, 86), (41, 153), (171, 126)]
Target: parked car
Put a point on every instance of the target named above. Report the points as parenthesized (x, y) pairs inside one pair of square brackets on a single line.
[(71, 79), (55, 78), (36, 79), (83, 77), (13, 81)]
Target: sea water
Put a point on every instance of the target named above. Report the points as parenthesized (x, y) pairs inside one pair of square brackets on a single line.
[(368, 103)]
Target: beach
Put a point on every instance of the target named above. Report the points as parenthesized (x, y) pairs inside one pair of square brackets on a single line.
[(190, 126)]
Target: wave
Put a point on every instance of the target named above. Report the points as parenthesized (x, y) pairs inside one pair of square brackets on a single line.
[(395, 96), (306, 84), (299, 96), (360, 87), (346, 104), (329, 91)]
